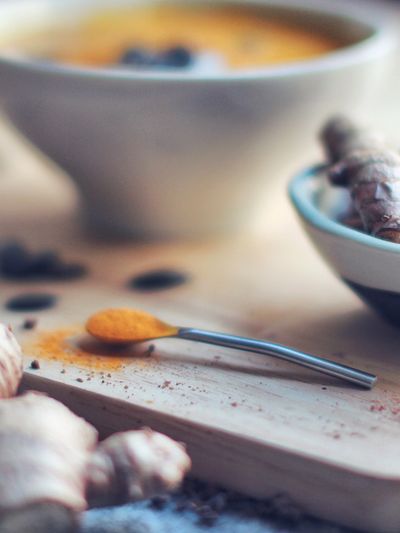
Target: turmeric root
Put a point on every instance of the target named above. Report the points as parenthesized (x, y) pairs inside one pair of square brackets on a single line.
[(135, 465), (364, 163), (340, 136), (10, 363)]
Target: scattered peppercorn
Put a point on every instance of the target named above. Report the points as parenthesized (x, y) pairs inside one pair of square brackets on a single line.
[(207, 515), (157, 280), (159, 502), (284, 508), (29, 323), (218, 501), (15, 260), (79, 380), (137, 57), (44, 262), (208, 501), (18, 263), (177, 57), (48, 265), (35, 365), (70, 271), (151, 348), (180, 505), (31, 302)]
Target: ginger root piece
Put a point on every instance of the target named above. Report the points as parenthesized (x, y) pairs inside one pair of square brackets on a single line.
[(10, 362), (134, 465), (50, 466), (371, 170), (44, 451)]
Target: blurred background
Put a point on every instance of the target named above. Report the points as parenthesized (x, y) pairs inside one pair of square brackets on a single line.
[(51, 116)]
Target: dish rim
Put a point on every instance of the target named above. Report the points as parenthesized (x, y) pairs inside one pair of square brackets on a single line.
[(381, 41), (306, 208)]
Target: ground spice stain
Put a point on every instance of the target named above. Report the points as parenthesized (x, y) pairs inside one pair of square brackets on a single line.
[(72, 346)]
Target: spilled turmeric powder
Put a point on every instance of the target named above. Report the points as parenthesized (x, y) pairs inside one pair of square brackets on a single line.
[(64, 345), (124, 325)]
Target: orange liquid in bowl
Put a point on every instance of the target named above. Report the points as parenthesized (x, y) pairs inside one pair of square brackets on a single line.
[(244, 37)]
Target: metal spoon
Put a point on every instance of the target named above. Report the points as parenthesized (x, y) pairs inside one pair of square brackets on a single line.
[(346, 373), (124, 326)]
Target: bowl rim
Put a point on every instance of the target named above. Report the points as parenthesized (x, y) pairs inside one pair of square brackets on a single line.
[(381, 41), (305, 207)]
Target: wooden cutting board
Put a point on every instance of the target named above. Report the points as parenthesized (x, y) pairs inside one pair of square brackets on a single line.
[(251, 423)]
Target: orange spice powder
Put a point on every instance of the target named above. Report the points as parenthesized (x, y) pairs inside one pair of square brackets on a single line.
[(125, 325), (69, 345)]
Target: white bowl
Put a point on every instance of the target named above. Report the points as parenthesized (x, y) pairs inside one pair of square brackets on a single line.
[(180, 155), (368, 265)]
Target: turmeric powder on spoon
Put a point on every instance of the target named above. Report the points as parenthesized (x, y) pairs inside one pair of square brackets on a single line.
[(124, 325)]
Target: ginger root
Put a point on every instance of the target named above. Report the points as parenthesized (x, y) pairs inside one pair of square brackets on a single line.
[(10, 363), (52, 468), (44, 450), (363, 162), (134, 465)]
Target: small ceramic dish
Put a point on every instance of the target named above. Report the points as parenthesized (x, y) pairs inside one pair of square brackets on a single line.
[(370, 266), (167, 155)]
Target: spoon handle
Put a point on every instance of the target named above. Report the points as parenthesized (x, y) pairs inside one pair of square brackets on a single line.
[(346, 373)]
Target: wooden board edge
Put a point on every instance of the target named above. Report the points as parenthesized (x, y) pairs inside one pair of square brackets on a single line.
[(349, 498)]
